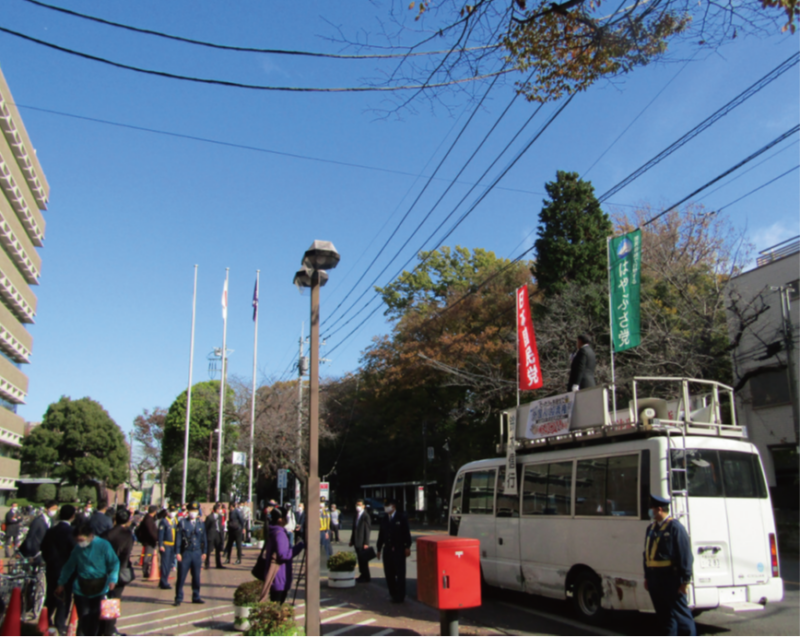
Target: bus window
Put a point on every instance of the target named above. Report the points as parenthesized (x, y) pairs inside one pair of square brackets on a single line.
[(702, 467), (546, 489), (621, 490), (457, 489), (479, 493), (741, 475), (590, 487), (507, 505), (608, 486)]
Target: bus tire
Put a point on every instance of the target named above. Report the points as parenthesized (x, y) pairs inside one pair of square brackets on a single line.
[(587, 597)]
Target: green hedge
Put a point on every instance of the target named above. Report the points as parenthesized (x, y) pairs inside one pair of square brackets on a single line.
[(67, 493), (46, 492), (87, 492)]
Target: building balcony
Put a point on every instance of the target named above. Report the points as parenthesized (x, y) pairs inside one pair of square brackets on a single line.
[(13, 383), (15, 291), (18, 244), (15, 340), (9, 473)]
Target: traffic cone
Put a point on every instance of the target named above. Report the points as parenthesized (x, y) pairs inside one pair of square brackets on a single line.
[(12, 624), (155, 572), (44, 623), (141, 557), (72, 627), (2, 568)]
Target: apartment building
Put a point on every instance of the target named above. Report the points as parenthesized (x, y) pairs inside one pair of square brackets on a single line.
[(23, 197)]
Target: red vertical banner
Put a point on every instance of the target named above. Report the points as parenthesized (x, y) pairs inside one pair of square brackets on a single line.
[(530, 372)]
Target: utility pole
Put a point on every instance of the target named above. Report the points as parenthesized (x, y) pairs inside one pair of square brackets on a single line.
[(788, 343), (300, 368)]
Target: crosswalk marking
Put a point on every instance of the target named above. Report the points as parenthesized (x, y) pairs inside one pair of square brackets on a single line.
[(385, 631), (161, 629), (344, 629), (332, 619), (194, 612)]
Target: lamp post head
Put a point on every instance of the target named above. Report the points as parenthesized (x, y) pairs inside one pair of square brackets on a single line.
[(321, 256), (304, 278)]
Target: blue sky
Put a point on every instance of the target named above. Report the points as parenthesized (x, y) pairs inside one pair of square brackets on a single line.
[(131, 212)]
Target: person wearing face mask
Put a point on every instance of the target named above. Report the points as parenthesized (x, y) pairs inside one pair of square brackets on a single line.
[(280, 554), (394, 541), (57, 546), (359, 540), (214, 534), (13, 520), (95, 568), (235, 526), (291, 522), (99, 521), (166, 545), (32, 545), (668, 564), (192, 548), (121, 539), (325, 528)]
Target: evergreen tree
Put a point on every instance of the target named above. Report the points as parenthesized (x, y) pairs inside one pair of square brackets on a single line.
[(572, 236)]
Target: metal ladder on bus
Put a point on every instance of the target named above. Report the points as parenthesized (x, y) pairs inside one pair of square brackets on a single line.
[(684, 493)]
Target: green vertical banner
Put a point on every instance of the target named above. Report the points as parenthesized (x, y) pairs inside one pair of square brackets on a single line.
[(625, 256)]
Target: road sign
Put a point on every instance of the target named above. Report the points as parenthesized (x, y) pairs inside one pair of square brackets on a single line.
[(239, 457), (282, 478), (420, 498), (325, 490)]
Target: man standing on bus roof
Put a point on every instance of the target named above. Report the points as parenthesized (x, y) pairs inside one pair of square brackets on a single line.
[(668, 569), (581, 371)]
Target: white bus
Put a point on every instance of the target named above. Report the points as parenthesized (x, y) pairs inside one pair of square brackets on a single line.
[(576, 528)]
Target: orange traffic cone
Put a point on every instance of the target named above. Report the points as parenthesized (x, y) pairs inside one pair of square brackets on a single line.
[(12, 624), (2, 568), (44, 623), (72, 627), (155, 572)]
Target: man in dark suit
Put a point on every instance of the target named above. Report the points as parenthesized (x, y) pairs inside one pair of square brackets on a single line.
[(192, 549), (395, 538), (235, 526), (99, 520), (56, 548), (214, 536), (13, 520), (581, 373), (359, 540), (32, 544), (147, 534)]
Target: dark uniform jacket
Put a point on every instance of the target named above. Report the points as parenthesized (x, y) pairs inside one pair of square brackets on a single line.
[(581, 372), (147, 533), (167, 532), (394, 534), (57, 546), (33, 540), (100, 523), (362, 527), (191, 536), (667, 550)]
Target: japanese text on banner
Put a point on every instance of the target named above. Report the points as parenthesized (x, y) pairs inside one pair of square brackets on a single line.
[(625, 254), (530, 372)]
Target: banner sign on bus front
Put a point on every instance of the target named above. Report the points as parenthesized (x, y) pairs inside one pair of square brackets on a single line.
[(625, 256), (510, 486), (530, 372), (550, 416)]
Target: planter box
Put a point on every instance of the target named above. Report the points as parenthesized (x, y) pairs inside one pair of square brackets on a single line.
[(343, 579), (260, 544), (241, 615)]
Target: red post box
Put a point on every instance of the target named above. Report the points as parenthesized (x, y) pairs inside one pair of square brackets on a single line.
[(449, 576)]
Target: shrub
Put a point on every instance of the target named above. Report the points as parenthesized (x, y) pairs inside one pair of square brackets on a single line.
[(342, 562), (258, 534), (67, 493), (247, 594), (87, 492), (270, 618), (46, 492)]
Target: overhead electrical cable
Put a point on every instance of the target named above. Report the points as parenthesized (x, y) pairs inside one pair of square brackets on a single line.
[(774, 74), (257, 87), (485, 193), (244, 49), (755, 190), (746, 160)]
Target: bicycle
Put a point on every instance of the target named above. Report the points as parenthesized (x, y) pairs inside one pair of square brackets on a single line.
[(29, 576)]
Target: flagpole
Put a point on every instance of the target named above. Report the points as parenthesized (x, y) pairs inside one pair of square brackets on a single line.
[(253, 402), (188, 395), (222, 383), (611, 331)]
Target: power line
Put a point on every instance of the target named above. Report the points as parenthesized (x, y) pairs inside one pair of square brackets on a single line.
[(243, 49), (746, 160), (791, 170), (257, 87), (774, 74)]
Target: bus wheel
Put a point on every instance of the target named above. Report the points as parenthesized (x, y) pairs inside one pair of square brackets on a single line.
[(587, 596)]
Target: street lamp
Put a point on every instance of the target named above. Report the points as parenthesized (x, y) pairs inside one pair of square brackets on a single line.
[(319, 257)]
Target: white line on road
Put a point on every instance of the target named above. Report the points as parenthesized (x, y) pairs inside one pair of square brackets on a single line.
[(385, 631), (335, 617), (557, 618), (344, 629), (160, 630), (194, 612), (195, 631), (322, 610)]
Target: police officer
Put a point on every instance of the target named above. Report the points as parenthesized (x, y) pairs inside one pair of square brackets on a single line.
[(668, 569), (395, 538), (166, 544), (191, 544)]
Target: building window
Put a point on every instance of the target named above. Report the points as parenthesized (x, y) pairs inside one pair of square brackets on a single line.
[(770, 389)]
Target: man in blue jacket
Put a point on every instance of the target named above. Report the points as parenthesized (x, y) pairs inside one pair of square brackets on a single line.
[(166, 544), (192, 546), (668, 564)]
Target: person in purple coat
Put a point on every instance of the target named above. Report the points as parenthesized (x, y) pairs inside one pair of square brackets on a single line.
[(284, 553)]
